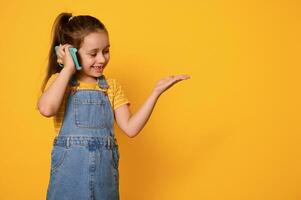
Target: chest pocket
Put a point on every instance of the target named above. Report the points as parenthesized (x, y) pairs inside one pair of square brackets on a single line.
[(91, 113)]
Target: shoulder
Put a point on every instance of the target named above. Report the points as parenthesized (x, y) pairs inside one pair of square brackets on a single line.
[(116, 93), (113, 83), (51, 79), (54, 76)]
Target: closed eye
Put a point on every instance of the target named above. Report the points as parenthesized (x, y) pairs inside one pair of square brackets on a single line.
[(95, 54)]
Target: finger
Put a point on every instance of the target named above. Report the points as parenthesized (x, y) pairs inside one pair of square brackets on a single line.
[(66, 49), (182, 77), (66, 46), (60, 61), (60, 52)]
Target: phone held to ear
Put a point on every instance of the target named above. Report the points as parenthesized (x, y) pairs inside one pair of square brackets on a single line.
[(74, 57)]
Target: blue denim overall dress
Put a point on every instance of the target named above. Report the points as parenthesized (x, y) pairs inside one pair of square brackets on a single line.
[(85, 155)]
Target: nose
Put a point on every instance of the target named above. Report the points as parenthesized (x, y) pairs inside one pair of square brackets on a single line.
[(100, 58)]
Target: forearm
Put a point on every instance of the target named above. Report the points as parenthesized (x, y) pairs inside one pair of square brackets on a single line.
[(52, 98), (138, 120)]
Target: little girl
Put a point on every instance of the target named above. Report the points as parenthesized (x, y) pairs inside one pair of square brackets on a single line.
[(84, 104)]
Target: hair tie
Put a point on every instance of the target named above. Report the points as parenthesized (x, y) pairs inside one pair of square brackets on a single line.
[(70, 18)]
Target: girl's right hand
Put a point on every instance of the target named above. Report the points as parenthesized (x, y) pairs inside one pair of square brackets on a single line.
[(64, 57)]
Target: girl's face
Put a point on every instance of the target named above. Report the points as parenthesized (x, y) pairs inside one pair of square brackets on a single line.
[(95, 55)]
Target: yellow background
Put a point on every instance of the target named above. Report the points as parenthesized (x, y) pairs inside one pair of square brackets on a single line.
[(231, 132)]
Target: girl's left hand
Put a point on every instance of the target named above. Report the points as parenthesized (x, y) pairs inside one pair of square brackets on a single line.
[(165, 83)]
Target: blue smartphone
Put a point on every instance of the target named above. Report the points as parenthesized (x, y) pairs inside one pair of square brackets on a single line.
[(74, 57)]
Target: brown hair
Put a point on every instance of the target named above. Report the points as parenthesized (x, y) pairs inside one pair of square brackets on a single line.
[(72, 30)]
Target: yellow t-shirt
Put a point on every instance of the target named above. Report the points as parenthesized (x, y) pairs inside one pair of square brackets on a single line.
[(115, 93)]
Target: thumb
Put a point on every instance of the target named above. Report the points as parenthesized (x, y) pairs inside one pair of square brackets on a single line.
[(67, 50)]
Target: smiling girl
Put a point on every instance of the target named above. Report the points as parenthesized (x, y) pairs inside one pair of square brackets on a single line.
[(84, 105)]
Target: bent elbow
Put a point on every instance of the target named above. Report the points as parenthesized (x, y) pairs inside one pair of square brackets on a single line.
[(46, 111), (131, 134)]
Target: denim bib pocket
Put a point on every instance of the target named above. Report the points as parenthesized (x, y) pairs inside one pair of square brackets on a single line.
[(89, 113)]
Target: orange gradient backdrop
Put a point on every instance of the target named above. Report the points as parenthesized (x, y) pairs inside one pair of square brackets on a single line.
[(231, 132)]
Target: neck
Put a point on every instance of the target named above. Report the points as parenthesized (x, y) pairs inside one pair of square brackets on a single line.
[(86, 79)]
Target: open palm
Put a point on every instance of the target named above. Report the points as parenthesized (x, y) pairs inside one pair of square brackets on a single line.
[(165, 83)]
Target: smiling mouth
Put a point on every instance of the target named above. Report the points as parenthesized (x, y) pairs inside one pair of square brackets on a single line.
[(98, 68)]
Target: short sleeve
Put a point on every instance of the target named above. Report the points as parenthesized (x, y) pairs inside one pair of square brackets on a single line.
[(119, 98), (51, 80)]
